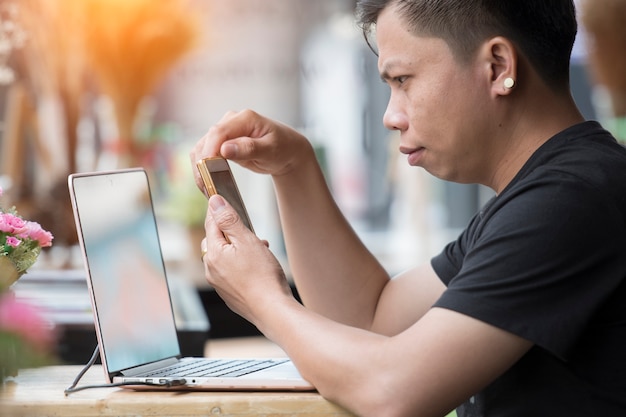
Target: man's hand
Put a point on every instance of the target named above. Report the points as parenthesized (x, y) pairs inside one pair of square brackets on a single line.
[(254, 142), (243, 272)]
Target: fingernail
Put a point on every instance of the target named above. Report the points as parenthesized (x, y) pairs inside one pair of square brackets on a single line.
[(216, 202), (229, 149)]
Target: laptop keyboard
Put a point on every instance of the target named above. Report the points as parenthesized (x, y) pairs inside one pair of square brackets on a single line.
[(204, 367)]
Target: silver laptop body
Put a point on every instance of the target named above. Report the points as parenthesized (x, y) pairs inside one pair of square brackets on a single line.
[(133, 315)]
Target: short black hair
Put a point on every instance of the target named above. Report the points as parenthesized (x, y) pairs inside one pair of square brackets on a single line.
[(543, 30)]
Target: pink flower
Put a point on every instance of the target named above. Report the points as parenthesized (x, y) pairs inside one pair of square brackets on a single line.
[(11, 223), (26, 321), (13, 241), (34, 231)]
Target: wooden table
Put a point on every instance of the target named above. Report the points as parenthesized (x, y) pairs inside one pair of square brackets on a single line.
[(39, 392)]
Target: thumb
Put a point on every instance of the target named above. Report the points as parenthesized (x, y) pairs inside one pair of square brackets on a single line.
[(225, 216)]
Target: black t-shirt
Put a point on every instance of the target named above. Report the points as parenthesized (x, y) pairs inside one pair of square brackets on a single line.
[(546, 260)]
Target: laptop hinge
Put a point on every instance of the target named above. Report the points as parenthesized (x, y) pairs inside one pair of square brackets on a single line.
[(140, 370)]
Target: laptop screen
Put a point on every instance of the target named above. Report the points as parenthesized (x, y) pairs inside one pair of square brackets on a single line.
[(128, 281)]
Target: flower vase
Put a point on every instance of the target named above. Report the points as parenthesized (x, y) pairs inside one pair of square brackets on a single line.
[(8, 344), (8, 273), (8, 365)]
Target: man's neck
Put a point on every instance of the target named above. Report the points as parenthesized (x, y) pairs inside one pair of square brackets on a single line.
[(538, 121)]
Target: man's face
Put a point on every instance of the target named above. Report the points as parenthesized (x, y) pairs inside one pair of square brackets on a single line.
[(439, 106)]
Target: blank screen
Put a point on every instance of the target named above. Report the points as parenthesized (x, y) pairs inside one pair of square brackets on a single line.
[(127, 273)]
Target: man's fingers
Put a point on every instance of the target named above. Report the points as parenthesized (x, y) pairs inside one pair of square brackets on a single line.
[(225, 217)]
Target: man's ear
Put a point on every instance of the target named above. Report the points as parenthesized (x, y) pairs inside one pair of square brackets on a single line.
[(501, 57)]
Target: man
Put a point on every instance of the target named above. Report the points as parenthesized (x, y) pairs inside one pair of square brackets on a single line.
[(523, 315)]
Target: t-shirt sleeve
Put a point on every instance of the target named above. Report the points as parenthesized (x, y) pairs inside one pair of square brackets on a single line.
[(539, 263)]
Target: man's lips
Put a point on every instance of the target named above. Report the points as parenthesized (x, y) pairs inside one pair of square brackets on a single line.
[(413, 154)]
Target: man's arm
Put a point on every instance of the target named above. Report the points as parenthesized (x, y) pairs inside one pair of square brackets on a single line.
[(334, 272), (406, 299), (425, 368)]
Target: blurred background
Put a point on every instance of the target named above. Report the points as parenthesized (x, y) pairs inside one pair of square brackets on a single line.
[(103, 84)]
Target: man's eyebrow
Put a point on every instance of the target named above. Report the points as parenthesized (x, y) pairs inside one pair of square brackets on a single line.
[(385, 68)]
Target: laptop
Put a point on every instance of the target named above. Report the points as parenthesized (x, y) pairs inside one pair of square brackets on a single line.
[(131, 303)]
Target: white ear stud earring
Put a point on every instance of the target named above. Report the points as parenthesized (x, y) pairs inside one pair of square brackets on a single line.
[(509, 83)]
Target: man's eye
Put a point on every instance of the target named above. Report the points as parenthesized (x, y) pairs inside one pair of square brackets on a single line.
[(399, 80)]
